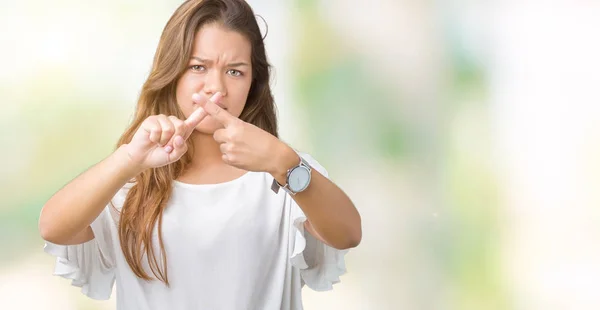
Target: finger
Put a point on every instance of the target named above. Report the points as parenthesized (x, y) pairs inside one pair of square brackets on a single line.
[(199, 98), (217, 112), (168, 129), (179, 132), (179, 148), (225, 148), (220, 135), (227, 159), (193, 120), (153, 128), (180, 128)]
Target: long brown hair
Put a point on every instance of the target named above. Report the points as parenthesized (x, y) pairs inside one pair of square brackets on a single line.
[(148, 197)]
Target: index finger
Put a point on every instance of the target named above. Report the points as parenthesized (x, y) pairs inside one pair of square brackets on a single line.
[(193, 120), (217, 112)]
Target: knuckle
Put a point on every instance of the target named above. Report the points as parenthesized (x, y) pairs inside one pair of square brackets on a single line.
[(219, 135), (168, 129), (149, 122), (236, 132)]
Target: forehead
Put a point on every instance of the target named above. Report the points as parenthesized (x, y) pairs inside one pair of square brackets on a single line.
[(216, 42)]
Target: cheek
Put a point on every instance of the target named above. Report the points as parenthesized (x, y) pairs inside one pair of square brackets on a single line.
[(239, 95), (186, 87)]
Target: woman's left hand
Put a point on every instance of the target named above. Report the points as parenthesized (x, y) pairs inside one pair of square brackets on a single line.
[(248, 147)]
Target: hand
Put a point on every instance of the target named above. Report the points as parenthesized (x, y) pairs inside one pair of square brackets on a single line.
[(244, 145), (160, 140)]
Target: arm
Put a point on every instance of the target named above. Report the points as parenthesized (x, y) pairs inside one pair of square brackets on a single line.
[(332, 217), (159, 141), (66, 217)]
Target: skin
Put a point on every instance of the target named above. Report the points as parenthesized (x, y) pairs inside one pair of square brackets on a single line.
[(225, 148)]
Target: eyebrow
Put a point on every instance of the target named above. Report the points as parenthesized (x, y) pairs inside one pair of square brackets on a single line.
[(235, 64)]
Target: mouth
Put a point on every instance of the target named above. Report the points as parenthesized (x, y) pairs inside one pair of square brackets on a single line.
[(222, 106)]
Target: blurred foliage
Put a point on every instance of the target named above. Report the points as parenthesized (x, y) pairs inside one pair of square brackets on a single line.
[(345, 116), (470, 247), (68, 130), (344, 111), (71, 126)]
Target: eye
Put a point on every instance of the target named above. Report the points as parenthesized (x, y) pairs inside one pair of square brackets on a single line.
[(197, 68), (234, 72)]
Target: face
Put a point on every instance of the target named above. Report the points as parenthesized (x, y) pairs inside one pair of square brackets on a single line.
[(220, 62)]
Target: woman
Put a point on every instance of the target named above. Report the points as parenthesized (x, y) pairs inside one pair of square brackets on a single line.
[(201, 206)]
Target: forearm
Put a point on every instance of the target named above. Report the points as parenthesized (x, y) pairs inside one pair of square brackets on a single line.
[(74, 207), (329, 210)]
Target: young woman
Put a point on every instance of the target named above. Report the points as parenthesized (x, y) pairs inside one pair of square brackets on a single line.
[(201, 206)]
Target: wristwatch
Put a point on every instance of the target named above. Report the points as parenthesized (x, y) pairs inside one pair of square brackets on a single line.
[(297, 180)]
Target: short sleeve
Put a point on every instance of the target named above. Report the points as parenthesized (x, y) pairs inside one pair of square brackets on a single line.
[(89, 265), (320, 265)]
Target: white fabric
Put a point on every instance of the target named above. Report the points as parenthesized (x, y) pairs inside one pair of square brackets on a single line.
[(234, 245)]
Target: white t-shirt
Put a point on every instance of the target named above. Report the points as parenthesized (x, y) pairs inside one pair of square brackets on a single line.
[(234, 245)]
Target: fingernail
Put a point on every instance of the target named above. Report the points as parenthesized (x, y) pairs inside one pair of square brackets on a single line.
[(168, 149), (196, 97)]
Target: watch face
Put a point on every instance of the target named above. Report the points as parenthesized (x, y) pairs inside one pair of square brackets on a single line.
[(299, 179)]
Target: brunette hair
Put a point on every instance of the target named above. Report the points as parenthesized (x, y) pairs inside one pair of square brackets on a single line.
[(147, 198)]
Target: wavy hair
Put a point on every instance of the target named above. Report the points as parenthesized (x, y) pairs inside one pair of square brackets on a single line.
[(146, 200)]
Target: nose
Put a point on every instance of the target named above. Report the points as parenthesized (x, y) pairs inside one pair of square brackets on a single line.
[(214, 83)]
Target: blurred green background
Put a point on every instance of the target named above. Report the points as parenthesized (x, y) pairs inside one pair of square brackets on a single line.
[(466, 132)]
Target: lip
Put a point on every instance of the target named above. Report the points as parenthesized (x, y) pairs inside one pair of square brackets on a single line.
[(222, 106)]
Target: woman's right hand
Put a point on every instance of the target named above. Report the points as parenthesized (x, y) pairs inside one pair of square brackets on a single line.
[(160, 140)]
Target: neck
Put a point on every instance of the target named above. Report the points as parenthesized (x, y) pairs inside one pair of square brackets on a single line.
[(206, 151), (207, 165)]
